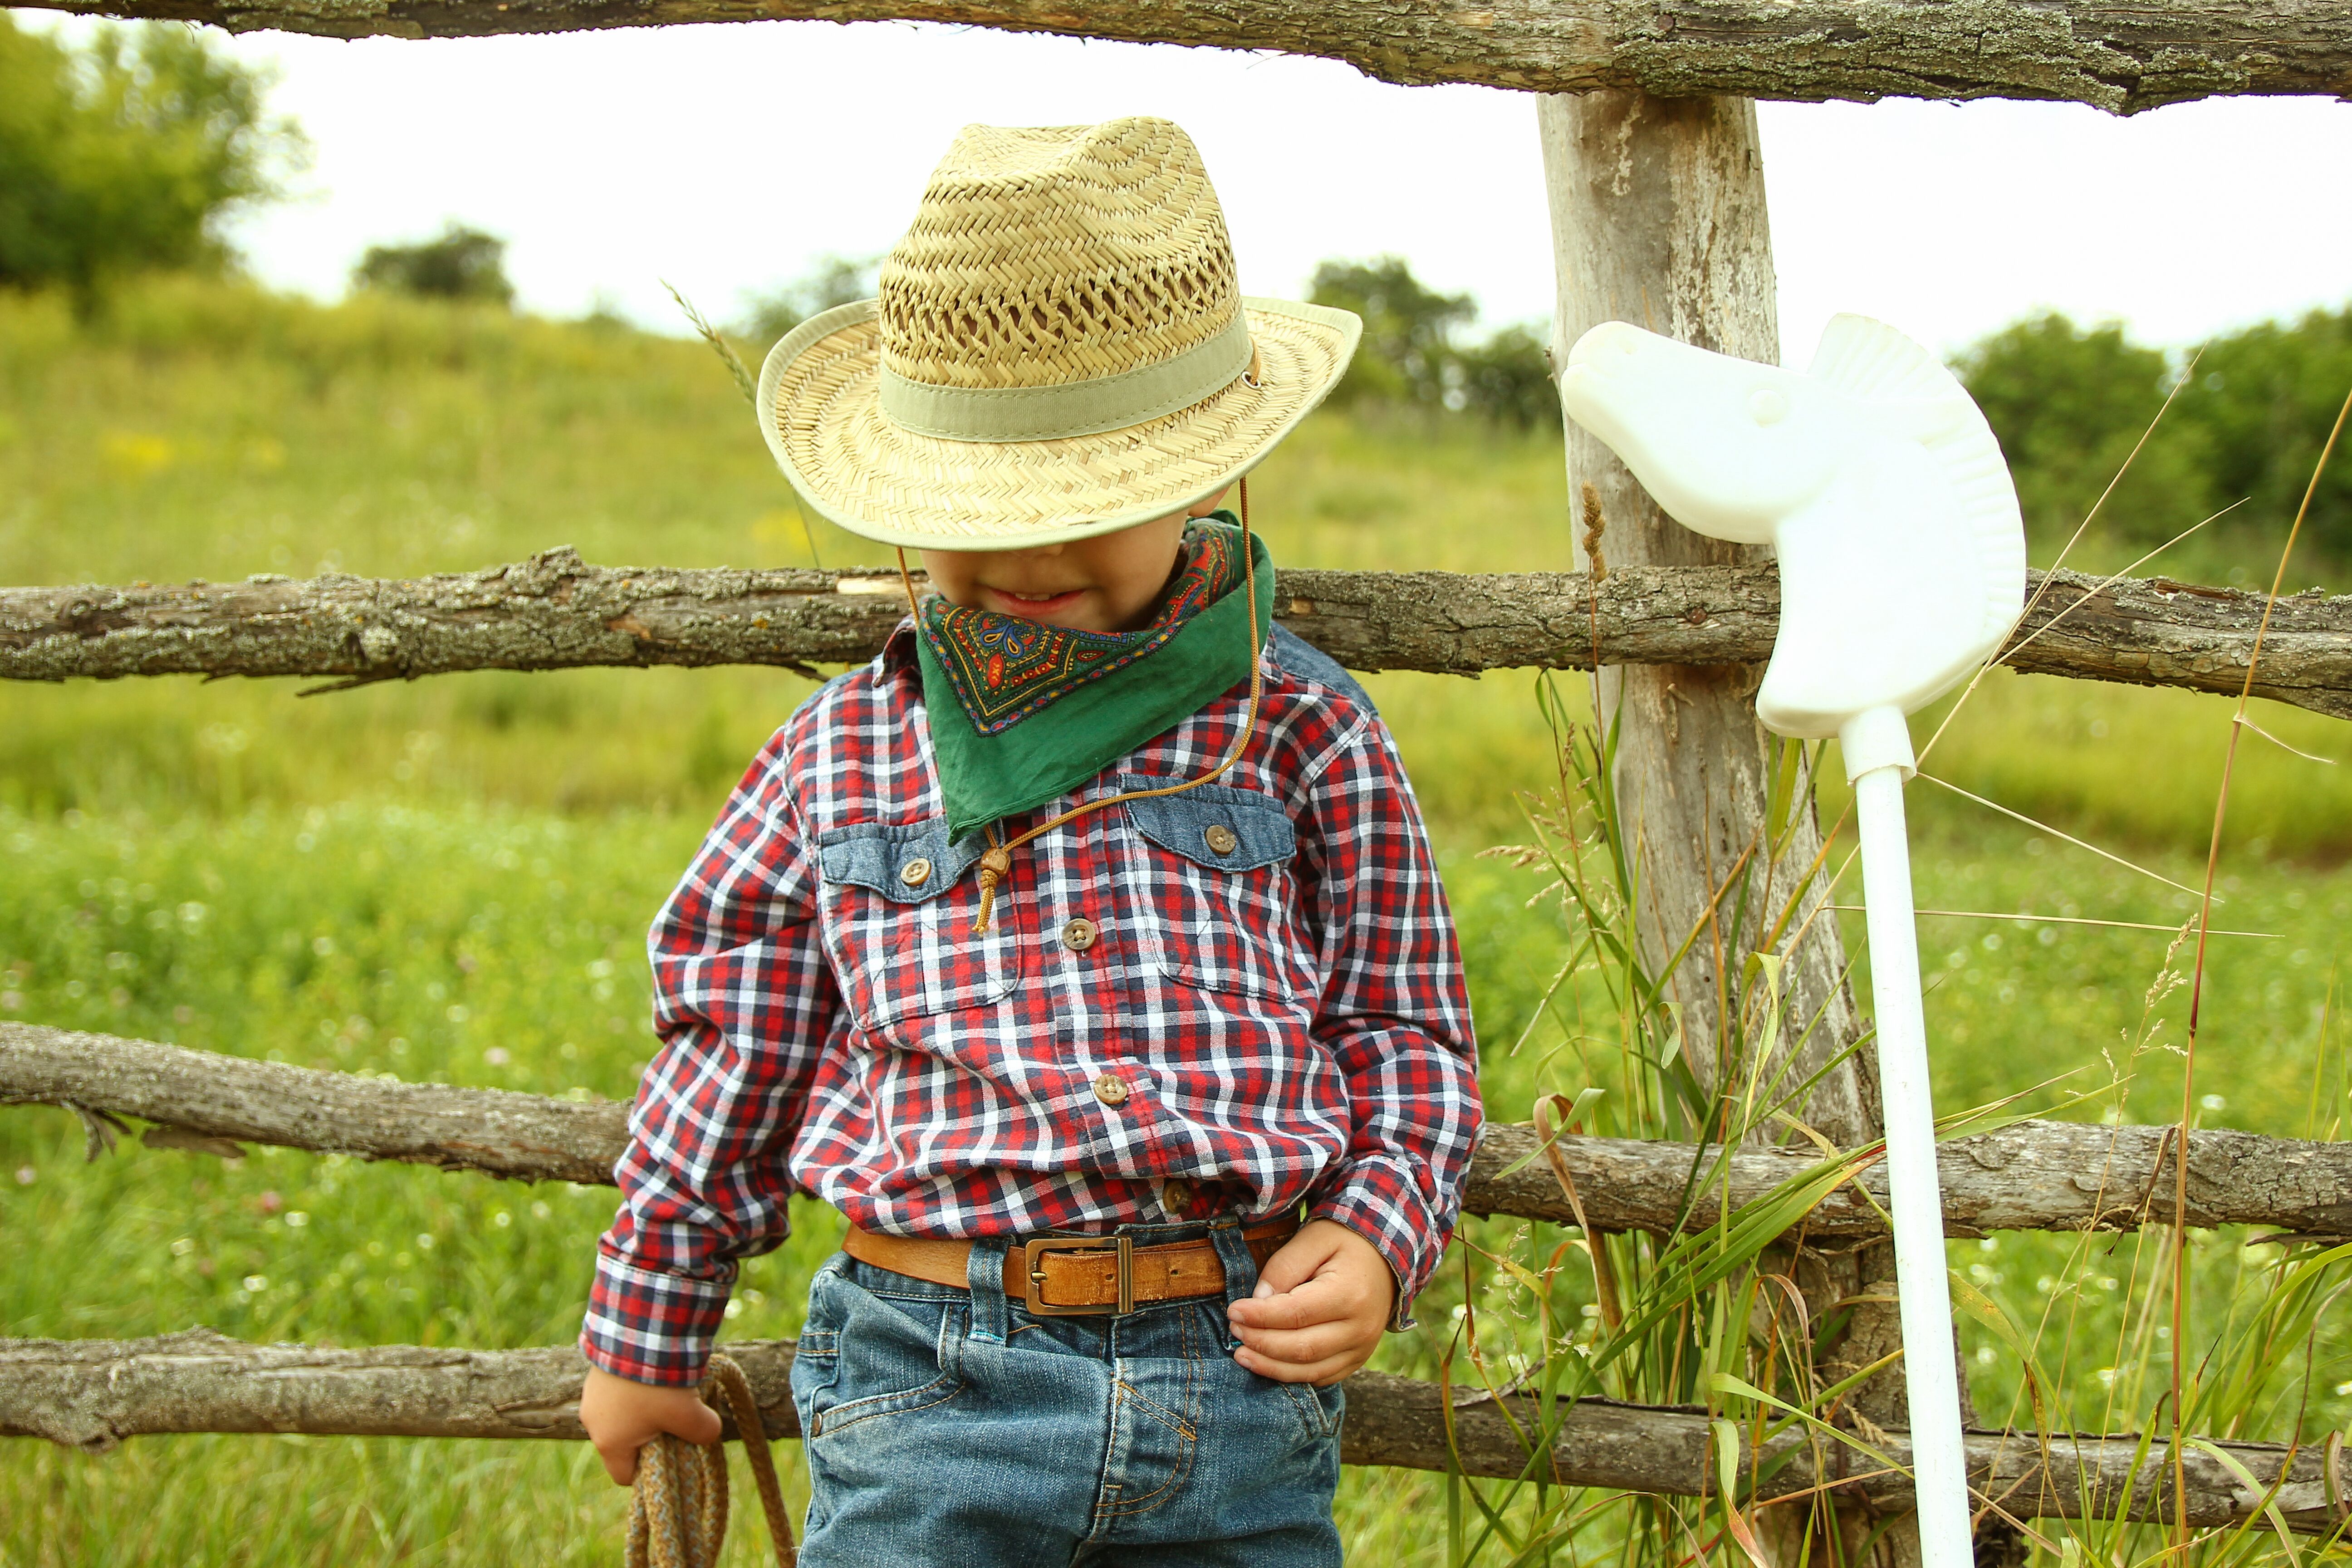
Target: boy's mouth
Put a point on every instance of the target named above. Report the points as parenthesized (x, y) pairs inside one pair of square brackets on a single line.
[(1034, 607)]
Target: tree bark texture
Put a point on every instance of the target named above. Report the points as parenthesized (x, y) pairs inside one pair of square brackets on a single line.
[(208, 1100), (2118, 56), (1658, 218), (2030, 1175), (2034, 1175), (555, 612), (93, 1393)]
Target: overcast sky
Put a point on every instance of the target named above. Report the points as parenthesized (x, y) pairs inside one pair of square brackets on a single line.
[(726, 158)]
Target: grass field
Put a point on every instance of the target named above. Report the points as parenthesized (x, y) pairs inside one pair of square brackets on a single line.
[(450, 881)]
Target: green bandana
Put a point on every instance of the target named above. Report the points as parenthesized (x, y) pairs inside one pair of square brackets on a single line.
[(1022, 712)]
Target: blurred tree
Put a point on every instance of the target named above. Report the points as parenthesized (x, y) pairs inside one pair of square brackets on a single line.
[(1508, 379), (126, 155), (463, 264), (2263, 401), (1407, 349), (2068, 405), (1409, 357), (833, 279)]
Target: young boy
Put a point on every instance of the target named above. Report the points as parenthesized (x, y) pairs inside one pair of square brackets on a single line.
[(1074, 949)]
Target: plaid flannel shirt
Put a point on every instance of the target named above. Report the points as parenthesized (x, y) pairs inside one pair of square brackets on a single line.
[(1241, 998)]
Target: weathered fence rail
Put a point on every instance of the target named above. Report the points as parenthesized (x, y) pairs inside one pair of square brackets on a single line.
[(93, 1394), (2117, 56), (2031, 1175), (556, 612)]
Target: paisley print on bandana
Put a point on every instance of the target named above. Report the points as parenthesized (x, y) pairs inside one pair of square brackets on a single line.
[(1003, 668)]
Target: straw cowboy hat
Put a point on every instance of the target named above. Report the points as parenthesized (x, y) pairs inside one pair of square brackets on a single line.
[(1059, 350)]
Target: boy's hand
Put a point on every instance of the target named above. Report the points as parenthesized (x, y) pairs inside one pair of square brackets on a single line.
[(623, 1417), (1321, 1307)]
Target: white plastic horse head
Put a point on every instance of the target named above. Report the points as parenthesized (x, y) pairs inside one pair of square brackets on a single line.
[(1874, 477)]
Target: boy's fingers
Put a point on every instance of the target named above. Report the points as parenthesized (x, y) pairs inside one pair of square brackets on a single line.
[(1326, 1298), (696, 1423), (700, 1423), (620, 1463), (1329, 1369), (1295, 1261), (1299, 1309), (1300, 1346)]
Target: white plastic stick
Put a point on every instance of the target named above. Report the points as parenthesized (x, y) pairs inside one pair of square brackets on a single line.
[(1939, 1464)]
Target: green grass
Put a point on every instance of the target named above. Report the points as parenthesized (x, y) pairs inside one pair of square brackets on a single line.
[(502, 950), (450, 880)]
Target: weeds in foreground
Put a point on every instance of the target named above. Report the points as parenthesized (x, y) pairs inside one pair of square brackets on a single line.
[(1705, 1314)]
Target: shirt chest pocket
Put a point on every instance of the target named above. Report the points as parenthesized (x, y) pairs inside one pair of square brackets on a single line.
[(1211, 873), (897, 910)]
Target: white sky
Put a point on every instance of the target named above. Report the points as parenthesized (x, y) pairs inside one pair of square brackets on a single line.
[(726, 158)]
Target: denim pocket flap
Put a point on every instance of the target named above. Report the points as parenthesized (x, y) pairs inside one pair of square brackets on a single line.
[(1215, 825), (911, 863)]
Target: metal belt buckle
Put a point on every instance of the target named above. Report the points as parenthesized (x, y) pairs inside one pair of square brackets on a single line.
[(1033, 1276)]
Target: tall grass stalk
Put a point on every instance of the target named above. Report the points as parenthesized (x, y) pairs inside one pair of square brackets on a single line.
[(2238, 723)]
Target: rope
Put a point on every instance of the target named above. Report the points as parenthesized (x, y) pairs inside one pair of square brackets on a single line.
[(677, 1509)]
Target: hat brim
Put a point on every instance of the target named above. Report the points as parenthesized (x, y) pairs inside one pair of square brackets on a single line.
[(819, 410)]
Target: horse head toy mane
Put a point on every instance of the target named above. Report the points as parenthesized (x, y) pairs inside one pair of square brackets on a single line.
[(1874, 476)]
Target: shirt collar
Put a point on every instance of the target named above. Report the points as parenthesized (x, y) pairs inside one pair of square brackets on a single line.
[(899, 657)]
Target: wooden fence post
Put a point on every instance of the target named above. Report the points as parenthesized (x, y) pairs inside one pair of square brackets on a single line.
[(1658, 218)]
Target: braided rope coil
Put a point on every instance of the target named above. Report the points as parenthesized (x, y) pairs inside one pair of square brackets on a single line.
[(678, 1509)]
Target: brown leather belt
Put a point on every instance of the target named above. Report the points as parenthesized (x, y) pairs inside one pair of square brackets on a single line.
[(1075, 1276)]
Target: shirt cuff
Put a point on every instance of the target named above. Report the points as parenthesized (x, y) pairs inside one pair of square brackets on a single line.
[(1380, 1203), (652, 1327)]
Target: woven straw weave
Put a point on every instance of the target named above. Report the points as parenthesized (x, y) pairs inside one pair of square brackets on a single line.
[(1046, 255), (1044, 258)]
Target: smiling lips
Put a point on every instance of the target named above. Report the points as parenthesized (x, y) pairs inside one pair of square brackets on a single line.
[(1036, 607)]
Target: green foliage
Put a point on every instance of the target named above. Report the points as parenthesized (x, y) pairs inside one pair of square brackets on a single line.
[(834, 280), (463, 263), (2070, 404), (1508, 379), (2263, 400), (1408, 329), (1409, 358), (126, 156)]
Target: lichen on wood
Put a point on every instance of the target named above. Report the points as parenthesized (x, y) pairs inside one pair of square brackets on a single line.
[(2117, 55)]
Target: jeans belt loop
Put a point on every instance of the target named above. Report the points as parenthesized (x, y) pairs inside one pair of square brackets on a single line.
[(1033, 1273), (984, 1276)]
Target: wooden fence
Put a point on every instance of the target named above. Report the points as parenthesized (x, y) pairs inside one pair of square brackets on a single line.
[(1657, 201), (554, 611), (2034, 1175)]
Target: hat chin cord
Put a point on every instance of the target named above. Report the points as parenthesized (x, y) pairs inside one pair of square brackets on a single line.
[(996, 865)]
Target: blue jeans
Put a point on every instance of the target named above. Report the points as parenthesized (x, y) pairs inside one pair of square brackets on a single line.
[(951, 1427)]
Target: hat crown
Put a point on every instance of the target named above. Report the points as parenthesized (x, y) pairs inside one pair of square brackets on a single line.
[(1052, 256)]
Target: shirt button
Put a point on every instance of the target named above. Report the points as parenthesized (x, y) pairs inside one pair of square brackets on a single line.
[(1221, 839), (1176, 1197), (915, 872), (1110, 1090), (1079, 935)]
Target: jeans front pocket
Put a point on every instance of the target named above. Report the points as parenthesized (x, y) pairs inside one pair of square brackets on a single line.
[(816, 1354), (1320, 1409), (890, 1356)]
